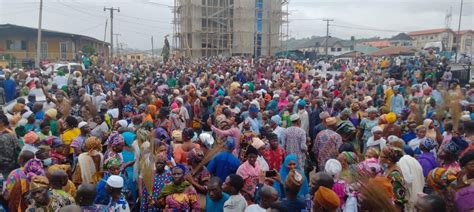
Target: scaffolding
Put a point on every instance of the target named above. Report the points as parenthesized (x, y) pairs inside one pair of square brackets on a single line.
[(204, 28)]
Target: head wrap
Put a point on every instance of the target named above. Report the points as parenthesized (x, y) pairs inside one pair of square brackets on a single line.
[(391, 117), (128, 138), (20, 131), (127, 108), (152, 109), (294, 180), (123, 123), (439, 179), (182, 167), (376, 129), (33, 167), (348, 157), (194, 155), (58, 167), (428, 143), (39, 182), (276, 119), (455, 146), (370, 167), (326, 198), (207, 140), (60, 73), (54, 141), (392, 153), (333, 167), (93, 143), (115, 139), (115, 181), (30, 138), (253, 109), (331, 121), (112, 162), (372, 110), (257, 143), (52, 113)]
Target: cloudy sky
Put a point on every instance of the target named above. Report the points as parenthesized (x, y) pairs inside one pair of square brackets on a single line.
[(138, 20)]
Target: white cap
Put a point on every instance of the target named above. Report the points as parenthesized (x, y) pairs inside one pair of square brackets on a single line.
[(81, 124), (27, 114), (115, 181), (294, 117)]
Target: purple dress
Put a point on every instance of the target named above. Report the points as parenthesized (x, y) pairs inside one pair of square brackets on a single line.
[(427, 162)]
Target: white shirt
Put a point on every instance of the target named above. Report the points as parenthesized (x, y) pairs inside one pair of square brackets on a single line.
[(413, 175), (381, 143), (280, 132), (263, 163), (235, 203), (255, 208)]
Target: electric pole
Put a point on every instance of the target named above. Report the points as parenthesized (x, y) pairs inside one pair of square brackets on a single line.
[(105, 36), (38, 42), (118, 45), (458, 39), (152, 50), (112, 29), (327, 35)]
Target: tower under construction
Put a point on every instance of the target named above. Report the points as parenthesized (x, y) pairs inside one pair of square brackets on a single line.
[(204, 28)]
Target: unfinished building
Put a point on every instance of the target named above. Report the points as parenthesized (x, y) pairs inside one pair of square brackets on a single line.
[(204, 28)]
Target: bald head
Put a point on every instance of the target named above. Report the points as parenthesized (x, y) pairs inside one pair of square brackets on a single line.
[(321, 179), (58, 179), (85, 194), (268, 195)]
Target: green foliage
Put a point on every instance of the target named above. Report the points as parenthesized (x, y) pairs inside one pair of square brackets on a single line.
[(88, 49)]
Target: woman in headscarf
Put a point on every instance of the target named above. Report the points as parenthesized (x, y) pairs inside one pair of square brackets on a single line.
[(181, 150), (291, 164), (366, 126), (112, 167), (179, 194), (448, 155), (89, 164), (198, 176), (129, 154), (432, 131), (152, 181), (438, 181), (348, 162), (250, 171), (115, 144), (151, 111), (17, 201), (389, 157)]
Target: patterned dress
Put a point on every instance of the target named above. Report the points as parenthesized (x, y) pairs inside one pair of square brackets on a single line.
[(59, 199), (274, 157), (295, 143), (326, 146), (185, 201), (398, 184), (147, 201)]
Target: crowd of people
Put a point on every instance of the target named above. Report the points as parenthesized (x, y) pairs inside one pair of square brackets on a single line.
[(239, 134)]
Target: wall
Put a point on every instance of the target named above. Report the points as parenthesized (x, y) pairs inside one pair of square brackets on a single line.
[(467, 43), (421, 40)]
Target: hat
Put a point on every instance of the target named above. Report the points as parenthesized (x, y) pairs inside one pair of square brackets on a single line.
[(372, 110), (333, 167), (294, 117), (257, 143), (39, 182), (30, 138), (393, 138), (326, 198), (115, 181), (324, 115), (114, 113), (253, 108), (376, 129), (52, 113), (294, 180), (331, 121), (27, 114), (428, 143), (81, 124), (391, 117), (301, 102), (367, 99), (276, 96), (276, 119)]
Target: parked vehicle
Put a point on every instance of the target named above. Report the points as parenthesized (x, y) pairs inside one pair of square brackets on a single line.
[(67, 68)]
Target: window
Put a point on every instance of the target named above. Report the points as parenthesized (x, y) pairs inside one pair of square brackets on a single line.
[(44, 50), (339, 49), (16, 44), (132, 57), (63, 50), (333, 49), (431, 37), (138, 57)]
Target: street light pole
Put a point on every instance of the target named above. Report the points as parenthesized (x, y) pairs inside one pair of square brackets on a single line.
[(38, 41), (458, 40)]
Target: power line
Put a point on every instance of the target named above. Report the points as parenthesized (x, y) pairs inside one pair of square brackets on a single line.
[(367, 29)]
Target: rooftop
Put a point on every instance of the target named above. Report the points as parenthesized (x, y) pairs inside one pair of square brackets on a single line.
[(401, 36), (428, 32), (378, 43), (46, 32)]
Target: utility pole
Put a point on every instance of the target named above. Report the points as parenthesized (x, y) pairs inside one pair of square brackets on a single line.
[(38, 42), (112, 29), (105, 36), (152, 50), (458, 39), (327, 35), (118, 45), (269, 14)]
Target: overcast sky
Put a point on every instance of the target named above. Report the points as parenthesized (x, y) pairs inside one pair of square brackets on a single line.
[(138, 20)]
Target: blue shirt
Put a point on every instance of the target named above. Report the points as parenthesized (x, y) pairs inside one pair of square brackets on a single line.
[(218, 206), (223, 165), (407, 137), (294, 205)]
